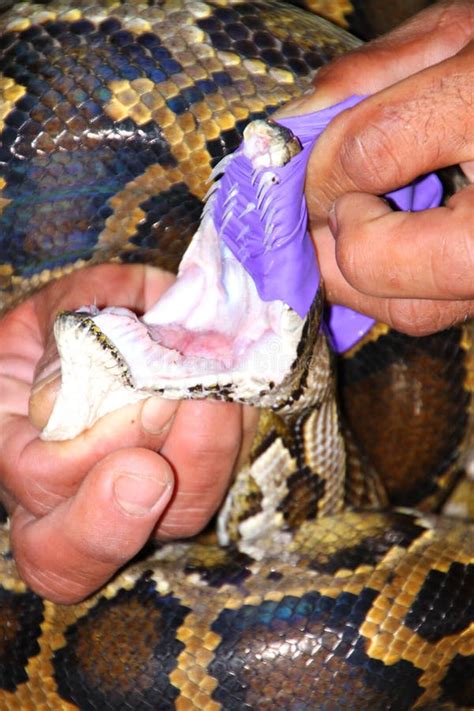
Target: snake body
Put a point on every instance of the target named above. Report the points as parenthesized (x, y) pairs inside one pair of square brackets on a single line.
[(111, 117)]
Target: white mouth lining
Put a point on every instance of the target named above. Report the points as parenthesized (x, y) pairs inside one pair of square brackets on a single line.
[(103, 369)]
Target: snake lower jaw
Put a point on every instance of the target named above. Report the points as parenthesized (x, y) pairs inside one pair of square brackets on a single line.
[(208, 336)]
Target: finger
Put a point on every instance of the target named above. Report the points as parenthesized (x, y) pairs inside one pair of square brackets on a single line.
[(468, 170), (421, 317), (416, 126), (425, 255), (132, 286), (43, 396), (415, 317), (202, 447), (76, 548), (41, 475), (427, 38), (17, 327)]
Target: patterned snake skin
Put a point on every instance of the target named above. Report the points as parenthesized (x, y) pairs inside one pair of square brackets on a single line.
[(111, 115)]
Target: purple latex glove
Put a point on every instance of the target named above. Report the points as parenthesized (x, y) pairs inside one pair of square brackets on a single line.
[(262, 217)]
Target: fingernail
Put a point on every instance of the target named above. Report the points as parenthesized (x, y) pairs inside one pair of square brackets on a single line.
[(138, 495), (44, 380), (157, 414), (332, 220)]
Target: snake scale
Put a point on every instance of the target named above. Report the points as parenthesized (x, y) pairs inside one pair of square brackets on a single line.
[(111, 116)]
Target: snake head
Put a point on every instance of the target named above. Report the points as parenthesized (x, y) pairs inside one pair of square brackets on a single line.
[(232, 325), (269, 145)]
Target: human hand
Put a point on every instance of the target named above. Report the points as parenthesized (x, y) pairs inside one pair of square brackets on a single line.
[(69, 531), (413, 271)]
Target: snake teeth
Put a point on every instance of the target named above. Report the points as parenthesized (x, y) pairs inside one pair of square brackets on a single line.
[(87, 393), (216, 332), (210, 335), (196, 342)]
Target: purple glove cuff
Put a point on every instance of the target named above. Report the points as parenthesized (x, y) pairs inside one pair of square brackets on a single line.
[(262, 217)]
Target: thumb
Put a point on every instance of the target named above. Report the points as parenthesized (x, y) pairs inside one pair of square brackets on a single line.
[(416, 126), (46, 385), (78, 545)]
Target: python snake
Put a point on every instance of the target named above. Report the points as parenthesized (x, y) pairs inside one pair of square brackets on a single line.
[(114, 113)]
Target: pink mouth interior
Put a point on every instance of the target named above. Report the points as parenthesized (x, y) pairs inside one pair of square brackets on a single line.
[(203, 344), (211, 322)]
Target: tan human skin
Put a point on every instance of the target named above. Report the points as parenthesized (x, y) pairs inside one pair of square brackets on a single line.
[(413, 271), (69, 533)]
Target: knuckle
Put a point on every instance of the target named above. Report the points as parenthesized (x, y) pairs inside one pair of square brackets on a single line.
[(20, 486), (345, 70), (465, 248), (40, 499), (209, 445), (456, 17), (353, 254), (453, 260), (56, 585), (404, 316), (192, 528), (416, 317), (184, 527), (347, 257), (110, 552), (31, 480), (454, 266), (369, 155), (194, 506)]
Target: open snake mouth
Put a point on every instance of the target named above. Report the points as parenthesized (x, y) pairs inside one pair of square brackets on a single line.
[(210, 335)]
